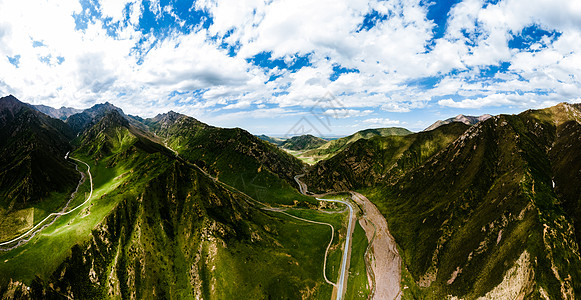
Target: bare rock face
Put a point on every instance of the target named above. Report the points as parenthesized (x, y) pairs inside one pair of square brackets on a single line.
[(16, 290), (61, 113)]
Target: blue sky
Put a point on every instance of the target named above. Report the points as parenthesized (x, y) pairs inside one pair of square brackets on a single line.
[(279, 67)]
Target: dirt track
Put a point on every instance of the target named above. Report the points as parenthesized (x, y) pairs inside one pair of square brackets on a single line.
[(386, 262)]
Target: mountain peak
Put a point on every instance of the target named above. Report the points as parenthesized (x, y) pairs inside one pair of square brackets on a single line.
[(114, 118), (104, 107), (10, 102), (172, 115), (85, 119), (9, 107), (9, 98), (468, 120)]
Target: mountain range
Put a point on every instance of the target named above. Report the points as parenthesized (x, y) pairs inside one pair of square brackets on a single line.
[(32, 150), (490, 210), (100, 204), (58, 113), (468, 120)]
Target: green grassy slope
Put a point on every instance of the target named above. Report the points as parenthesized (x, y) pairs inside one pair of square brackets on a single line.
[(369, 162), (182, 235), (477, 205), (565, 164), (233, 156), (158, 227), (332, 147), (358, 284), (303, 142)]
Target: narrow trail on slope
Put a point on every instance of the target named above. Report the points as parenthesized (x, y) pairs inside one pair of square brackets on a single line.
[(328, 246), (34, 230)]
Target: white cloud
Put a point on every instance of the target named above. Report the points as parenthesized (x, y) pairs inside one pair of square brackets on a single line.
[(189, 62), (193, 72), (526, 100), (114, 8), (347, 113), (382, 121)]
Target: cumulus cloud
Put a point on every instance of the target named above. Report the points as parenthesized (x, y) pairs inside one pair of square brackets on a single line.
[(375, 57), (114, 8), (526, 100), (347, 113), (382, 121)]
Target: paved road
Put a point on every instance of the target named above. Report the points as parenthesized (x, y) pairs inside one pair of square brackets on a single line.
[(345, 261), (61, 213), (344, 273)]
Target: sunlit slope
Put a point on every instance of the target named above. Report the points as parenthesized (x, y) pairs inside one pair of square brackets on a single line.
[(369, 162), (158, 227), (303, 142), (233, 156), (495, 213), (333, 147)]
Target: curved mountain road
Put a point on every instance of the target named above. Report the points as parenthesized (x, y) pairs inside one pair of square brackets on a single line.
[(341, 286), (345, 261), (384, 262), (58, 214), (344, 273)]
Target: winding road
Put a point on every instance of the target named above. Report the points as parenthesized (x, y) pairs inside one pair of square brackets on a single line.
[(344, 272), (57, 214), (384, 262), (341, 285)]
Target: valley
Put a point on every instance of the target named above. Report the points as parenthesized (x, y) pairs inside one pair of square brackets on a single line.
[(113, 194), (30, 233), (290, 150), (175, 208)]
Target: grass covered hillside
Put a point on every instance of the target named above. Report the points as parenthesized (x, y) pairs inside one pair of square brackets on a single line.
[(32, 151), (332, 147), (233, 156), (303, 142), (158, 227), (369, 162), (493, 213)]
